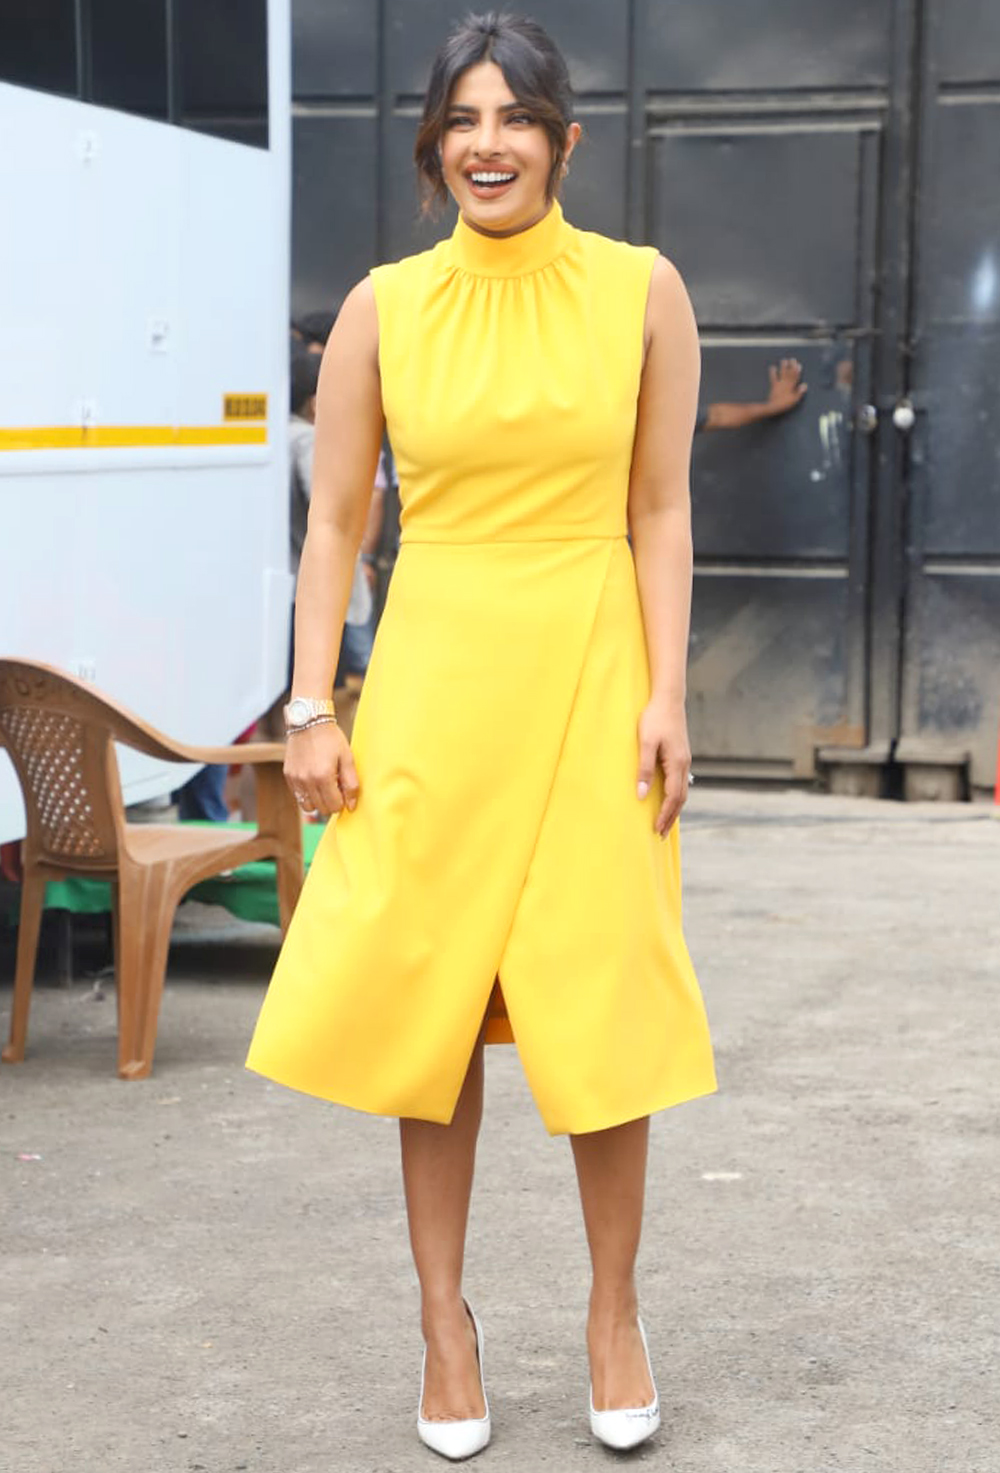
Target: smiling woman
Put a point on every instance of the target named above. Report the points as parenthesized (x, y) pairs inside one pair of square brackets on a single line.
[(505, 860), (496, 80), (496, 158)]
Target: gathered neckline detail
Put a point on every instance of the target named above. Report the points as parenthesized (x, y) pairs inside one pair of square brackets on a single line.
[(510, 255)]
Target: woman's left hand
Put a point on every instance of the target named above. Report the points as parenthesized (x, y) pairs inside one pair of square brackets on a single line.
[(663, 739)]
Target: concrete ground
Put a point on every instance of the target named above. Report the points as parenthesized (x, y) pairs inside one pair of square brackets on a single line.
[(202, 1271)]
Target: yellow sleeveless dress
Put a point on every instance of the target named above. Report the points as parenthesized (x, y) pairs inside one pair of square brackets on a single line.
[(498, 835)]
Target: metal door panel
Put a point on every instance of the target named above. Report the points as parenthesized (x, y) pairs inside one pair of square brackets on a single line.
[(960, 268), (957, 457), (958, 444), (969, 42), (600, 156), (720, 45), (592, 35), (951, 634), (333, 206), (727, 204), (953, 667), (334, 48), (767, 678), (404, 228)]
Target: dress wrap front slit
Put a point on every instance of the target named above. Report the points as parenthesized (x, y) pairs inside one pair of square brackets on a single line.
[(498, 834)]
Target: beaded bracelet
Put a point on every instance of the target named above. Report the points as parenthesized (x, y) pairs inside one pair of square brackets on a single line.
[(314, 721)]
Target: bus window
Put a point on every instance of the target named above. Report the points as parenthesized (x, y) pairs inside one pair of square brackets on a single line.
[(38, 45), (222, 65), (128, 56), (198, 65)]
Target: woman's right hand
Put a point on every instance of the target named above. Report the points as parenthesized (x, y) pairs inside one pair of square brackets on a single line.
[(320, 770)]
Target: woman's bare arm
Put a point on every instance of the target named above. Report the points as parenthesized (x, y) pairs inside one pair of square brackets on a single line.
[(660, 524), (349, 425)]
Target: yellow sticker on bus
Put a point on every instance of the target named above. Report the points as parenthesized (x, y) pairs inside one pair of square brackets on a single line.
[(244, 406)]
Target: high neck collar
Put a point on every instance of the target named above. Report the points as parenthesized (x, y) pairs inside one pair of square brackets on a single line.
[(511, 255)]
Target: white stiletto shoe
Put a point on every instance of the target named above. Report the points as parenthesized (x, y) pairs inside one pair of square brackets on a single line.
[(625, 1427), (458, 1439)]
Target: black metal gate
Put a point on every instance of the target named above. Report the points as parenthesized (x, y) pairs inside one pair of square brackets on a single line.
[(826, 178), (950, 626)]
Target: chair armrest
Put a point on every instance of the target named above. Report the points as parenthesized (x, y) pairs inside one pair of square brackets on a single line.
[(248, 752), (63, 692)]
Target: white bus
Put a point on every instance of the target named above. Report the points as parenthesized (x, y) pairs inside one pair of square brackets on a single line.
[(144, 191)]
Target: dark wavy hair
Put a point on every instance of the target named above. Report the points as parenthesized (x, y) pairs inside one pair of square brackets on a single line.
[(534, 70)]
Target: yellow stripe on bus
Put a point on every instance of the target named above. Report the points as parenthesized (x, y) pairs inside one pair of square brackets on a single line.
[(119, 437)]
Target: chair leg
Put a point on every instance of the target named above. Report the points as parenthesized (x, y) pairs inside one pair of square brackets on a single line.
[(289, 876), (144, 919), (125, 964), (278, 817), (32, 900)]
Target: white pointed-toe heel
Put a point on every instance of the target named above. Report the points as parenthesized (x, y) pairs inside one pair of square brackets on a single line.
[(625, 1427), (458, 1439)]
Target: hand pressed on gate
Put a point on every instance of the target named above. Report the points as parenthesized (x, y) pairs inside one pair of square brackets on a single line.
[(786, 392), (787, 388)]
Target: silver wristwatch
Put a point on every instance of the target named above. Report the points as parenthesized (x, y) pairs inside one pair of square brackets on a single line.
[(303, 710)]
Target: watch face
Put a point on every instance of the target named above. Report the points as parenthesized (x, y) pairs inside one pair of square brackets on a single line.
[(298, 711)]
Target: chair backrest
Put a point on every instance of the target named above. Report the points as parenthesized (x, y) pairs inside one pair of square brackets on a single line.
[(59, 737)]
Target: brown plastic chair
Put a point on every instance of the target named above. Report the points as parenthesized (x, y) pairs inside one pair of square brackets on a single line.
[(60, 735)]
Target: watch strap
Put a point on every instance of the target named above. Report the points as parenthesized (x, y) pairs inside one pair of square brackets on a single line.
[(300, 710)]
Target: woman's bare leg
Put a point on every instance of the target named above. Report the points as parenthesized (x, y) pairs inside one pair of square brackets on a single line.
[(438, 1166), (611, 1170)]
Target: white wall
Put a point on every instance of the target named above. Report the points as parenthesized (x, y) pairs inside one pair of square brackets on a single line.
[(143, 275)]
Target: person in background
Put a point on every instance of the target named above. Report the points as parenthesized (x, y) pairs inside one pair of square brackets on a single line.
[(203, 796), (314, 328), (301, 437), (786, 392)]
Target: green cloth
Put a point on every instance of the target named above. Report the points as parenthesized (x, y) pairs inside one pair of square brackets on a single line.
[(249, 892)]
